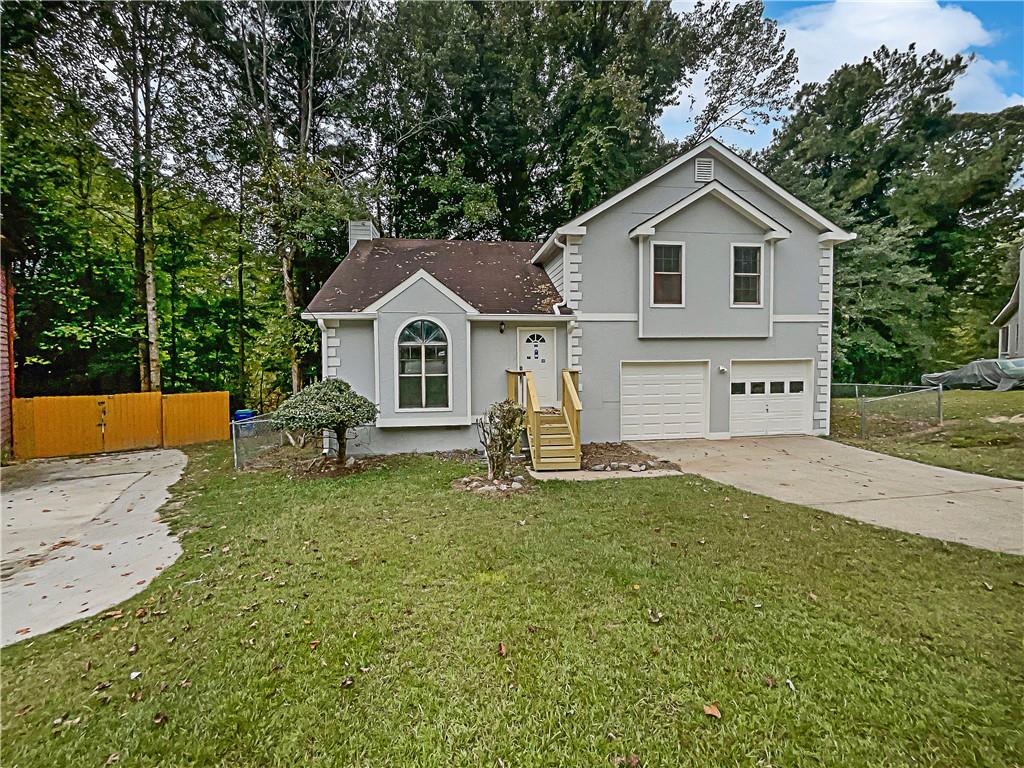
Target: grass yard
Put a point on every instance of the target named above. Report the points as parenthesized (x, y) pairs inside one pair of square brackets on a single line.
[(967, 441), (386, 619)]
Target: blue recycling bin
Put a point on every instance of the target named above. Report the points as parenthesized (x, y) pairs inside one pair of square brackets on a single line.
[(243, 415)]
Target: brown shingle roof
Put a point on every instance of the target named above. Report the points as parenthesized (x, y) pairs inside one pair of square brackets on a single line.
[(496, 278)]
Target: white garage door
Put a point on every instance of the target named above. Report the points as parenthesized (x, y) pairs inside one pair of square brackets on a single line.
[(663, 401), (770, 397)]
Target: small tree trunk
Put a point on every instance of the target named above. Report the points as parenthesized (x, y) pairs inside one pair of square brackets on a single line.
[(339, 432)]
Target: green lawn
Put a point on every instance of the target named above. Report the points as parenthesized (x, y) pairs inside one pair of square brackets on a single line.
[(357, 621), (967, 441)]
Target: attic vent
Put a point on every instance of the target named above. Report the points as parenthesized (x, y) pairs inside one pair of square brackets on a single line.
[(704, 169)]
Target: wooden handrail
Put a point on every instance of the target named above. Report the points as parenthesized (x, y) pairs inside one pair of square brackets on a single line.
[(512, 379), (532, 418), (571, 407)]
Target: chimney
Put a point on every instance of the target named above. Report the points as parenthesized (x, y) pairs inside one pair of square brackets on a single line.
[(361, 230)]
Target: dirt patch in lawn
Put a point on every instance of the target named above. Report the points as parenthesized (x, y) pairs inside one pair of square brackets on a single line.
[(608, 456), (308, 462)]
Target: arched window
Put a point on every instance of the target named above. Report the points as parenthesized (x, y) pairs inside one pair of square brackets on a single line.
[(422, 366)]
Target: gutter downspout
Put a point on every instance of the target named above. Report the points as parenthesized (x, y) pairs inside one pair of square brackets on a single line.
[(562, 303)]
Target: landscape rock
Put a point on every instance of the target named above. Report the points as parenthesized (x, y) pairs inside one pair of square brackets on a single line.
[(516, 485), (636, 467), (598, 468)]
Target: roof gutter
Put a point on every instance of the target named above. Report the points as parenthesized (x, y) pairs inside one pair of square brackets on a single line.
[(541, 256)]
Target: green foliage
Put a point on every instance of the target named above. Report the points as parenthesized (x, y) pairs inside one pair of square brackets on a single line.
[(501, 430), (931, 195), (331, 405)]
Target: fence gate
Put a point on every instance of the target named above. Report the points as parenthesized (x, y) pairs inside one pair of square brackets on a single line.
[(72, 426)]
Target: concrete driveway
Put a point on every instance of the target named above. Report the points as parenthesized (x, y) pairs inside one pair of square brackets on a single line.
[(917, 498), (81, 535)]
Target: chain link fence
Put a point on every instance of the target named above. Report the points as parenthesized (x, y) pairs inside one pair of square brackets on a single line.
[(883, 410), (258, 444)]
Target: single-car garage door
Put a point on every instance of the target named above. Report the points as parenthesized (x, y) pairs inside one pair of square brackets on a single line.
[(770, 397), (663, 401)]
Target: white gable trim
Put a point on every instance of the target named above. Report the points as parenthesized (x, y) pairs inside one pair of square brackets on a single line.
[(727, 154), (774, 230), (440, 287)]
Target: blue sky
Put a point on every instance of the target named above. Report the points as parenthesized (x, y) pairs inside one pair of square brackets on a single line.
[(829, 33)]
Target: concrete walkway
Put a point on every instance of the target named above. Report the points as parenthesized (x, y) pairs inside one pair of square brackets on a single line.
[(81, 535), (979, 511)]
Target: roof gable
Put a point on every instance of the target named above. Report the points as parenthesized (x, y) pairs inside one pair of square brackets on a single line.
[(433, 282), (830, 231), (773, 229)]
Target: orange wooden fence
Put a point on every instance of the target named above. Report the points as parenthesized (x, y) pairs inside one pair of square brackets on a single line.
[(72, 426)]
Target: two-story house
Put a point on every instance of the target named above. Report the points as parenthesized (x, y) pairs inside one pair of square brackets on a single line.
[(694, 304)]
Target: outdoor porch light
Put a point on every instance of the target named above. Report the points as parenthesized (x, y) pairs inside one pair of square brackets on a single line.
[(501, 327)]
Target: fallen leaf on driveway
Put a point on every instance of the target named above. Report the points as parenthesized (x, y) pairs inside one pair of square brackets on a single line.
[(101, 686), (348, 682), (113, 614), (502, 650), (24, 630), (812, 596), (159, 718), (114, 757), (711, 710), (314, 644), (97, 547), (134, 649), (134, 675)]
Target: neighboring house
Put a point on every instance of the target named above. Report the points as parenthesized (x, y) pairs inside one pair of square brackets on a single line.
[(1011, 321), (695, 303)]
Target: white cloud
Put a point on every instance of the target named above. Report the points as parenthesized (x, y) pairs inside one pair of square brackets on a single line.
[(828, 35), (978, 90), (843, 32)]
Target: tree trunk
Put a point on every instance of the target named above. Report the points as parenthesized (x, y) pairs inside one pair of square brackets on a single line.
[(289, 311), (241, 282), (339, 432), (138, 228), (149, 252)]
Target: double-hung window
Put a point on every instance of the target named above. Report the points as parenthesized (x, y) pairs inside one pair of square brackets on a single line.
[(422, 366), (746, 275), (667, 287)]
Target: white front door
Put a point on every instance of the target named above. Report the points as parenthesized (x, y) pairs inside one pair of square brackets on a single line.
[(537, 354), (663, 401), (770, 397)]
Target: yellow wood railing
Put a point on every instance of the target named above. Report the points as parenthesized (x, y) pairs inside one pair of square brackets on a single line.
[(571, 407)]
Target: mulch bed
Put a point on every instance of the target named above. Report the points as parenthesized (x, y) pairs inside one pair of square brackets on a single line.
[(609, 456)]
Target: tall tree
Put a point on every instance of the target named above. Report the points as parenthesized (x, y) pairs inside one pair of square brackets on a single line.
[(881, 146), (508, 118)]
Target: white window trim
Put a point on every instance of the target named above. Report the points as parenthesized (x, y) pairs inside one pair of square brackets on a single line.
[(451, 374), (682, 273), (732, 276)]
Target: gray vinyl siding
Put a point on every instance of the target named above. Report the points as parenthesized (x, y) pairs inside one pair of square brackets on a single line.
[(422, 300), (601, 371), (707, 228), (707, 328), (555, 271), (349, 355)]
